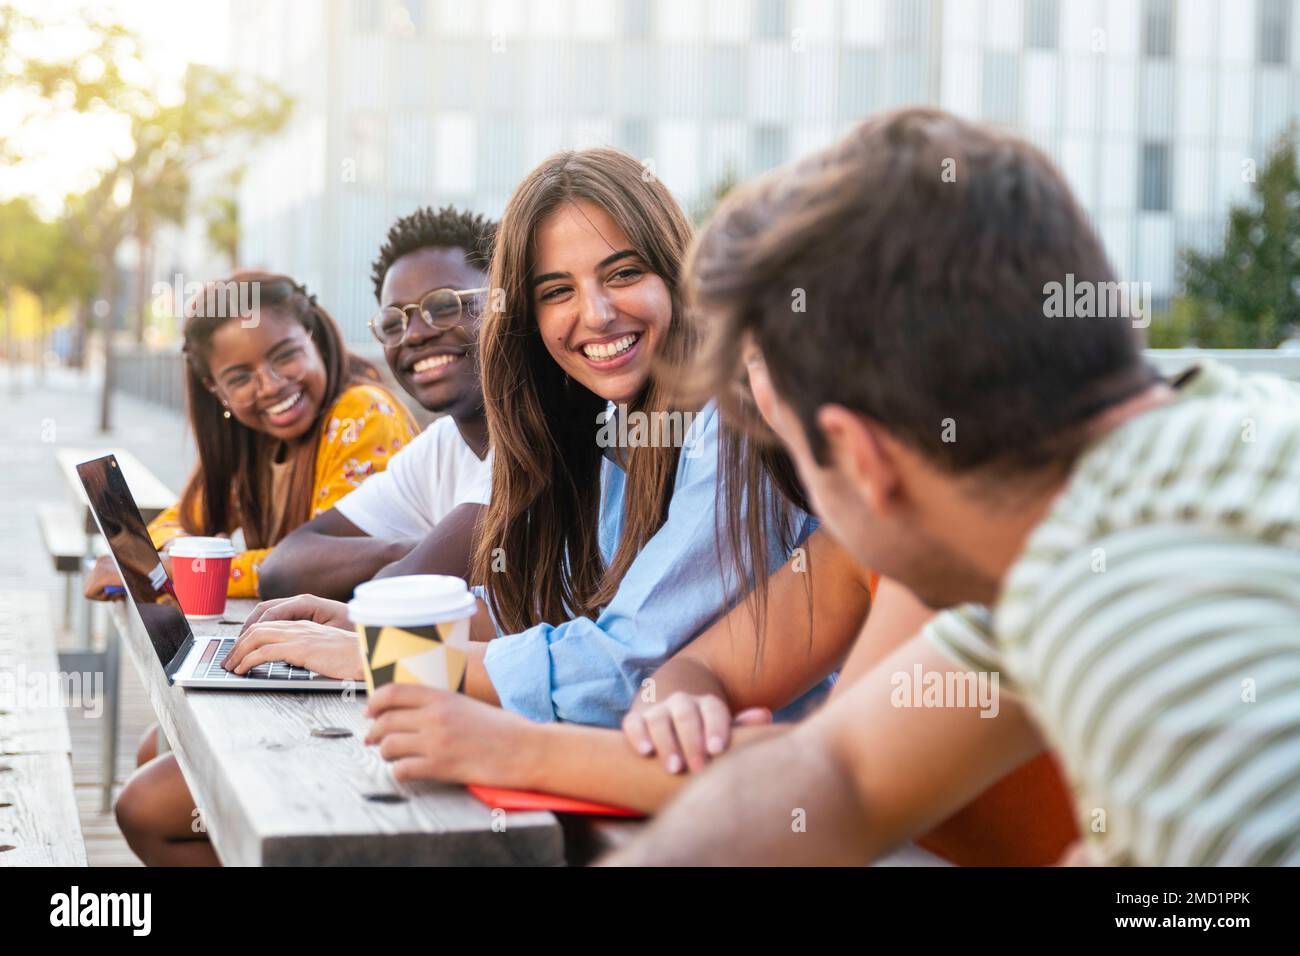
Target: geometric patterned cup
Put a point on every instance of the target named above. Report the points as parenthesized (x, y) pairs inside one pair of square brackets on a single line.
[(413, 629)]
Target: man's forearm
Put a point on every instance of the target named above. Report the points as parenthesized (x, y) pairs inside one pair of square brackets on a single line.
[(326, 565), (784, 801), (444, 550)]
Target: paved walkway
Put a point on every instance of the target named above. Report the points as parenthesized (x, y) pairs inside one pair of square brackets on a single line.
[(63, 411)]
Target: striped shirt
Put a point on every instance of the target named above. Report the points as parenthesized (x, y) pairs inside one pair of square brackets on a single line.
[(1152, 626)]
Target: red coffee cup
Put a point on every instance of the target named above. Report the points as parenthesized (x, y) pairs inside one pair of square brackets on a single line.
[(201, 574)]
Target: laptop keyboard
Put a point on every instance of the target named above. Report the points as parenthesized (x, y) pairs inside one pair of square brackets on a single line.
[(209, 666)]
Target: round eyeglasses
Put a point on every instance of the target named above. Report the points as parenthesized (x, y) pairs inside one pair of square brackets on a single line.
[(290, 364), (440, 309)]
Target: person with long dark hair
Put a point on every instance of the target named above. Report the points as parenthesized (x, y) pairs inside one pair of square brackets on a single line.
[(603, 549), (287, 421)]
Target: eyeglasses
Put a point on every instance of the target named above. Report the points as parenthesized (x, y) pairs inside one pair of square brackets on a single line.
[(289, 366), (440, 309)]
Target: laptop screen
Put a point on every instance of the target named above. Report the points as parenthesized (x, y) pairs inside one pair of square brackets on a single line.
[(137, 561)]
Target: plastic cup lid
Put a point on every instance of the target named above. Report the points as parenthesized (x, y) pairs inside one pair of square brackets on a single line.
[(411, 600), (196, 547)]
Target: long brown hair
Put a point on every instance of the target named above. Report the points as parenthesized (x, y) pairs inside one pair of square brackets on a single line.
[(759, 489), (226, 488), (542, 425)]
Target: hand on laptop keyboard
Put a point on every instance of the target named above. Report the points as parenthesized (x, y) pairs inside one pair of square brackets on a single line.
[(273, 670)]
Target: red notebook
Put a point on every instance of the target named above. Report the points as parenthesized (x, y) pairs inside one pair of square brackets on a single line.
[(501, 798)]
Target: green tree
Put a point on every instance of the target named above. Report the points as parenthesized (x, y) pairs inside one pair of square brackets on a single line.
[(27, 246), (221, 217), (220, 112), (1246, 295), (92, 80)]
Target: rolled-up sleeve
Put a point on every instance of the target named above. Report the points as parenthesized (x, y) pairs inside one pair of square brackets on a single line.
[(587, 671)]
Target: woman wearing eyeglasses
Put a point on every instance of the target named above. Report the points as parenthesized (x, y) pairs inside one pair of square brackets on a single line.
[(286, 420), (601, 551)]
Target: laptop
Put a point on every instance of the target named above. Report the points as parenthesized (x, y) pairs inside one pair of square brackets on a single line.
[(186, 660)]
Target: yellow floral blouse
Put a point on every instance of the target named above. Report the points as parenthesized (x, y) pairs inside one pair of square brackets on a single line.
[(363, 430)]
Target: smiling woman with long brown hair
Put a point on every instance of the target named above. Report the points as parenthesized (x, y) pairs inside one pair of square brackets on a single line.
[(600, 554), (614, 534), (604, 548)]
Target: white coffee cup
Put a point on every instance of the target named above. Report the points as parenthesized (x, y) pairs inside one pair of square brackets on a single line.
[(413, 629)]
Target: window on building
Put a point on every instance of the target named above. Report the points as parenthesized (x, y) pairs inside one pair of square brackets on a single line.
[(1153, 177), (769, 19), (367, 147), (1042, 24), (910, 22), (417, 14), (1000, 93), (1158, 28), (638, 18), (1274, 24), (591, 77), (367, 15), (500, 153), (726, 71), (859, 87), (768, 147), (635, 137)]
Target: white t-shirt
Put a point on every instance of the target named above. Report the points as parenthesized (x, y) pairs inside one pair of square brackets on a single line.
[(422, 483)]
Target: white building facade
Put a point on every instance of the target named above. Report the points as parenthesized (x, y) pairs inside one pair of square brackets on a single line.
[(1159, 111)]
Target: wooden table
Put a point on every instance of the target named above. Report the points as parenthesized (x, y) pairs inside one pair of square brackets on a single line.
[(271, 793)]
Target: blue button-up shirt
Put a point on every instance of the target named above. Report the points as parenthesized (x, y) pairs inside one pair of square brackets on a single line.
[(588, 671)]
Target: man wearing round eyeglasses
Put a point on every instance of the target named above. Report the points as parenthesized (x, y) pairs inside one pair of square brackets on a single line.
[(430, 279)]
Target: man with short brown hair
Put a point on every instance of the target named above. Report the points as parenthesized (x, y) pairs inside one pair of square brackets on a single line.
[(1120, 554)]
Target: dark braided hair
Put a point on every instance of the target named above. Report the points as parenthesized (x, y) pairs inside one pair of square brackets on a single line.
[(447, 228)]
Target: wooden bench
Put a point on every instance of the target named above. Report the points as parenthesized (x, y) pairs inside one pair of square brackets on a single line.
[(39, 825), (64, 535), (151, 495)]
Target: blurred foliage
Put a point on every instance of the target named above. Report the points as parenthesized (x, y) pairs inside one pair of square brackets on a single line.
[(35, 256), (221, 217), (95, 80), (707, 207), (218, 114), (1246, 295)]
